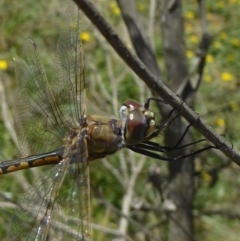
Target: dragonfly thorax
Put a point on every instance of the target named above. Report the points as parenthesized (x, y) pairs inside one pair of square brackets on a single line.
[(137, 122), (103, 136)]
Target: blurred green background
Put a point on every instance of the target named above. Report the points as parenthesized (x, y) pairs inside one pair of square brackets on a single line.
[(216, 209)]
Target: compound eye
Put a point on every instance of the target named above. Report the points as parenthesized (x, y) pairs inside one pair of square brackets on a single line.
[(137, 123), (133, 105), (135, 128)]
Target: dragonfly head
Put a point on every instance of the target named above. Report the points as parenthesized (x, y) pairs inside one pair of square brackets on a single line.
[(137, 122)]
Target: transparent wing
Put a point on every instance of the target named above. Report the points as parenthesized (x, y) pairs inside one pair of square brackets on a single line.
[(46, 109), (56, 207), (68, 80)]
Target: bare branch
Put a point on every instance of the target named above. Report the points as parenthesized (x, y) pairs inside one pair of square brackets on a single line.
[(136, 224), (155, 83), (136, 31), (201, 52)]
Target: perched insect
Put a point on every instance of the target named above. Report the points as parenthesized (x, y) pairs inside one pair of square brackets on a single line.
[(49, 110)]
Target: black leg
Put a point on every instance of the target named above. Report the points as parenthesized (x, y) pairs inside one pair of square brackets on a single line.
[(168, 121), (148, 153), (147, 103)]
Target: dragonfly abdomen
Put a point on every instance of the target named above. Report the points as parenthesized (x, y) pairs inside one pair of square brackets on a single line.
[(44, 159)]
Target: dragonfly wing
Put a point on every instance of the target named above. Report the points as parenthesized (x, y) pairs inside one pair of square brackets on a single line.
[(34, 121), (47, 108), (68, 83), (56, 207)]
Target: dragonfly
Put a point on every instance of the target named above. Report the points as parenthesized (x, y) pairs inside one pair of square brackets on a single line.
[(51, 122)]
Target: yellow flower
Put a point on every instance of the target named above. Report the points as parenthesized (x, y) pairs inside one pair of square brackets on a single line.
[(220, 4), (190, 15), (207, 78), (140, 7), (206, 176), (3, 64), (230, 58), (85, 36), (189, 54), (220, 122), (209, 58), (234, 105), (233, 1), (116, 10), (235, 42), (193, 39), (223, 35), (226, 76), (217, 45)]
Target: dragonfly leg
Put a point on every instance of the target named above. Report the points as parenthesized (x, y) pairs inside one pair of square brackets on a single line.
[(151, 149), (155, 155)]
